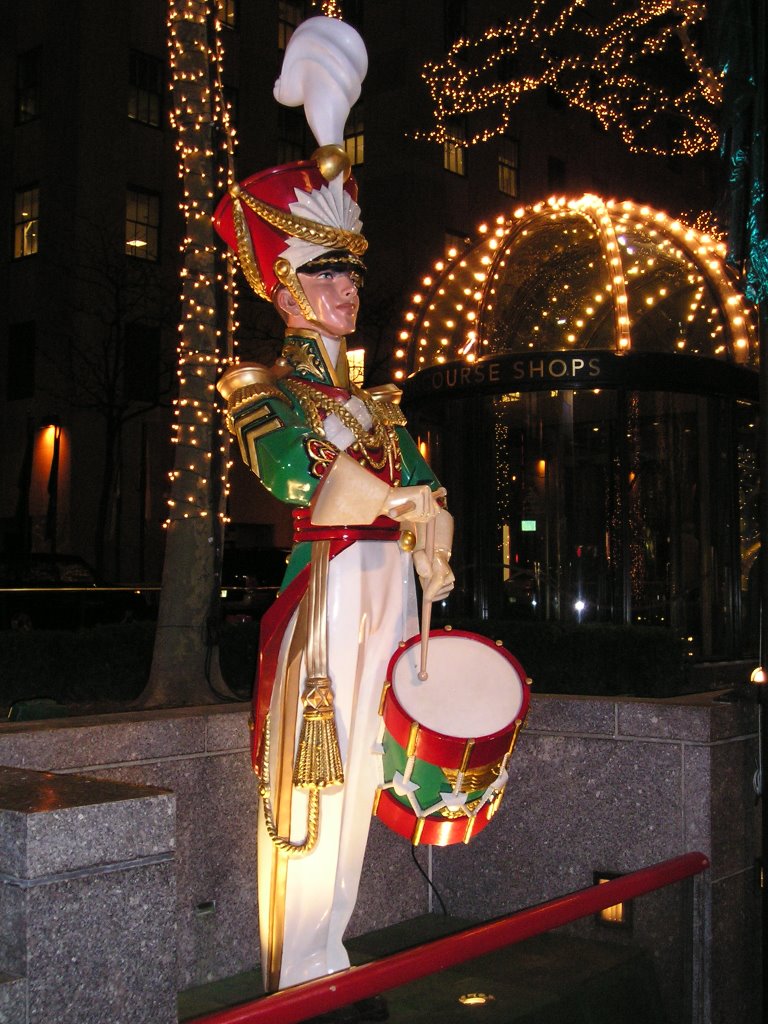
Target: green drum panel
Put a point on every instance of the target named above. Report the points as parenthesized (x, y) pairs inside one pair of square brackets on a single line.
[(428, 777)]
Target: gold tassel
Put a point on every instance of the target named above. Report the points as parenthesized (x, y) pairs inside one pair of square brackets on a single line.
[(318, 760)]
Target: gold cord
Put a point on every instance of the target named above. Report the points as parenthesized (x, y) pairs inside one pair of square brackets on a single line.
[(283, 843), (381, 438)]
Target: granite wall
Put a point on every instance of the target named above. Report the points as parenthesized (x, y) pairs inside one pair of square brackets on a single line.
[(596, 784)]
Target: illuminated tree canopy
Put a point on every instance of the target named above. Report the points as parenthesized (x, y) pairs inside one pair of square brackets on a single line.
[(637, 67)]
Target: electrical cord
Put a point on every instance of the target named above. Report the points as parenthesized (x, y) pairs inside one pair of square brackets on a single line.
[(429, 881)]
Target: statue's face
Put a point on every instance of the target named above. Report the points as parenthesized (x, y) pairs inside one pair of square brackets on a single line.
[(332, 294)]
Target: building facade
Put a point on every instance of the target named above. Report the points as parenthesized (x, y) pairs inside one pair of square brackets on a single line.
[(89, 202)]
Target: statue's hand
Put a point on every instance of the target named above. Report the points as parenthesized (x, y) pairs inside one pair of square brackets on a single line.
[(415, 504), (432, 555), (436, 577)]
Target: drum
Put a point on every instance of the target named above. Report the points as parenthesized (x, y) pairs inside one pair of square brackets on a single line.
[(445, 741)]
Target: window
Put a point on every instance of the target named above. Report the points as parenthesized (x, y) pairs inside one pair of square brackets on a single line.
[(28, 86), (290, 14), (354, 135), (454, 21), (142, 224), (145, 92), (227, 12), (141, 366), (26, 214), (556, 176), (455, 147), (20, 378), (356, 361), (509, 166), (292, 134)]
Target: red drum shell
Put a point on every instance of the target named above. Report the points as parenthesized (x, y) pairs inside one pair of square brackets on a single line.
[(441, 749)]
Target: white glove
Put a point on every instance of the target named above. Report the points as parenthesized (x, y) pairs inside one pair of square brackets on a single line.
[(436, 577), (415, 504)]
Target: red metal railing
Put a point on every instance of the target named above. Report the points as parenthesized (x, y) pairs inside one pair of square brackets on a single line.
[(293, 1005)]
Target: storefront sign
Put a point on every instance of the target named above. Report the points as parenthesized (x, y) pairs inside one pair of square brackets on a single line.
[(573, 370), (507, 371)]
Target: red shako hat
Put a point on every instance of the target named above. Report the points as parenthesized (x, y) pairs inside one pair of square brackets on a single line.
[(292, 214)]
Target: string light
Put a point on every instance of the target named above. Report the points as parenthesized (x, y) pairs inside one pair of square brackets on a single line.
[(610, 67), (602, 269), (205, 141)]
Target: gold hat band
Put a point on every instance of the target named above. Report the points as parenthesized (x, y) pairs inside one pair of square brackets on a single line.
[(299, 227)]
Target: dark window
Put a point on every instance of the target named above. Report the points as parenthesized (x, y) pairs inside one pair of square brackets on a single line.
[(556, 176), (26, 220), (292, 143), (454, 21), (227, 12), (290, 14), (145, 92), (455, 147), (509, 166), (20, 378), (354, 135), (142, 224), (141, 366), (28, 86)]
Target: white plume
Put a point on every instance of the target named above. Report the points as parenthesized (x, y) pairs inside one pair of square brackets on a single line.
[(323, 68)]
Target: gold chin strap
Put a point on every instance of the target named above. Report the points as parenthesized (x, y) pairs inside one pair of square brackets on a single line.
[(288, 277)]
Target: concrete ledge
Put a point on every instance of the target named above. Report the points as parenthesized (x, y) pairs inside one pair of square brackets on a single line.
[(88, 898), (52, 824), (13, 999), (595, 783)]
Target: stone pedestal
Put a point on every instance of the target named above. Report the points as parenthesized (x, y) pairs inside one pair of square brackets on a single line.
[(87, 900)]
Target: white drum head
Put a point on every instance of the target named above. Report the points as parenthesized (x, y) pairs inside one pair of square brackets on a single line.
[(471, 689)]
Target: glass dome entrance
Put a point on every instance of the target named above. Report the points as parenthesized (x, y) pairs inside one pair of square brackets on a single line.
[(579, 274), (587, 392)]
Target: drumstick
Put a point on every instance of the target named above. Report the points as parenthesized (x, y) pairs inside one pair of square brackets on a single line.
[(426, 604)]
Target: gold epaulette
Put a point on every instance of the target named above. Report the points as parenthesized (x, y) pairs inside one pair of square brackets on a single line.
[(387, 398), (246, 381)]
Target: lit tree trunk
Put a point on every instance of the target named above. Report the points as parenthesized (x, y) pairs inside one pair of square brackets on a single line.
[(185, 665)]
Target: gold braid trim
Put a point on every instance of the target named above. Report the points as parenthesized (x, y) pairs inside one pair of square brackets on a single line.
[(307, 230), (245, 394), (306, 397), (245, 246), (381, 437), (390, 413)]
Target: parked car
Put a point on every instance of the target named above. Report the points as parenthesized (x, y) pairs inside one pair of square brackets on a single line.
[(250, 581), (53, 591)]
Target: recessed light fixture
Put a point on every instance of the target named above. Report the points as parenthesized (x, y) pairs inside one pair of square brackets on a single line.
[(619, 915), (476, 998)]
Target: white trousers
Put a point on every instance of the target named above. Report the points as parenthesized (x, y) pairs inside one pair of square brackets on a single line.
[(371, 608)]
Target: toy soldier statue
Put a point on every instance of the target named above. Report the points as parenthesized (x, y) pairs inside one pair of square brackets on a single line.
[(362, 497)]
